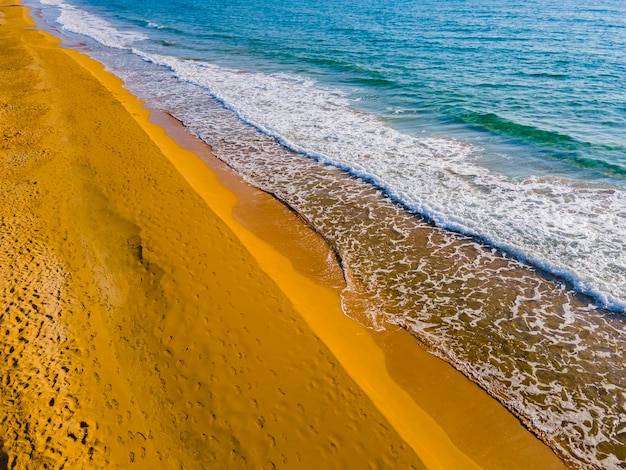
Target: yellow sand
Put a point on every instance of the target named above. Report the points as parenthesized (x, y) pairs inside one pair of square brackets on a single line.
[(143, 325)]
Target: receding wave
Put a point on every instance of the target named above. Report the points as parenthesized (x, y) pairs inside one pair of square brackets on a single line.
[(543, 350), (572, 230), (79, 21), (541, 220), (530, 342)]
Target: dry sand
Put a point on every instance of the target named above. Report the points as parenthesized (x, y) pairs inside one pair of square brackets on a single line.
[(152, 319)]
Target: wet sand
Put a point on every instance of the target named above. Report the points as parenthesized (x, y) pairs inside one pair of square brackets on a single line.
[(154, 314)]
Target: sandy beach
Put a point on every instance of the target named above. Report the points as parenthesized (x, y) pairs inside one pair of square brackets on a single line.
[(158, 312)]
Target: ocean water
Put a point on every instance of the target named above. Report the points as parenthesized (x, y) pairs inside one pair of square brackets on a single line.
[(465, 159)]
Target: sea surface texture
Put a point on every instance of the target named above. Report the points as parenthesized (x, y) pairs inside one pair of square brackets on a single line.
[(466, 159)]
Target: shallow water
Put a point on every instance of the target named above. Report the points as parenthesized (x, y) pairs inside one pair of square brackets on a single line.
[(511, 160)]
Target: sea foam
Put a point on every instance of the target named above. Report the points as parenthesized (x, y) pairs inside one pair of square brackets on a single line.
[(79, 21), (565, 227), (568, 228), (527, 341)]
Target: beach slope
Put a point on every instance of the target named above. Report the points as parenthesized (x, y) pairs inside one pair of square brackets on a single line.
[(142, 325), (137, 328)]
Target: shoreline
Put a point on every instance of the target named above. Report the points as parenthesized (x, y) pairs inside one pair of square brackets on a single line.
[(161, 272), (466, 408)]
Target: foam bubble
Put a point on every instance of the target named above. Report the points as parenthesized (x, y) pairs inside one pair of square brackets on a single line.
[(78, 21), (544, 352), (569, 228)]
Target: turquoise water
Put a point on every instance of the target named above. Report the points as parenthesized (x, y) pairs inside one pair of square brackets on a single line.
[(535, 91), (548, 76), (502, 125)]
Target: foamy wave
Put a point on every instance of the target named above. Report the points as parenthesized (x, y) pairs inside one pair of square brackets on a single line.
[(78, 21), (568, 228), (541, 350), (150, 24)]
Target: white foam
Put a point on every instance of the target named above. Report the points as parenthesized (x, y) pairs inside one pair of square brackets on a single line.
[(155, 25), (78, 21), (539, 354), (568, 228)]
